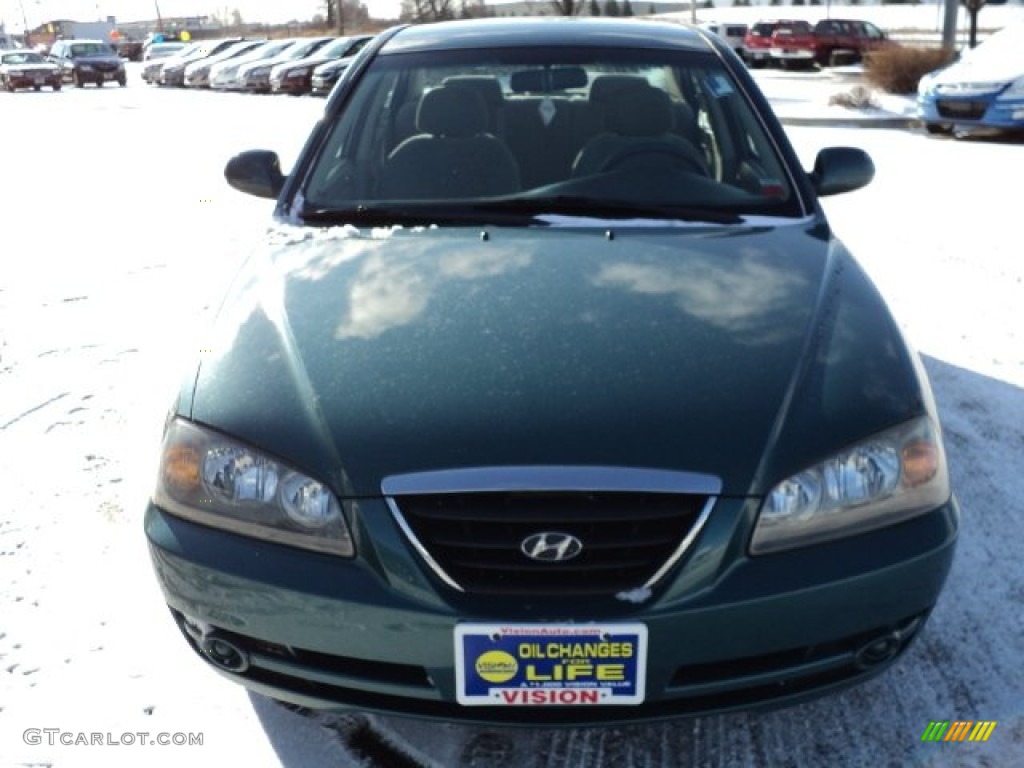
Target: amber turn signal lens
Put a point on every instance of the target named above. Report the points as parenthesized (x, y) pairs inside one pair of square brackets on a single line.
[(920, 460), (181, 467)]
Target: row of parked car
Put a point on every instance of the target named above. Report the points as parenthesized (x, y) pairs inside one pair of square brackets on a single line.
[(289, 65), (79, 62), (795, 43)]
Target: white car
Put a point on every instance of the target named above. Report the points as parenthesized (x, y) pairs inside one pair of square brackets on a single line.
[(732, 33), (162, 50), (224, 75)]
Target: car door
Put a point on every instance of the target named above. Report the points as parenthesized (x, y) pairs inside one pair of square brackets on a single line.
[(59, 56)]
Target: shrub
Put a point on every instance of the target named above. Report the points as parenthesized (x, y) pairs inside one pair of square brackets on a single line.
[(898, 69)]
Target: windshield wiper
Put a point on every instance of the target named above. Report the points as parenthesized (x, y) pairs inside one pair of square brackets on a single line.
[(418, 215), (511, 212), (603, 208)]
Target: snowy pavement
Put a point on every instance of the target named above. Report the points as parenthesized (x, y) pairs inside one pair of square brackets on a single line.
[(106, 279), (817, 98)]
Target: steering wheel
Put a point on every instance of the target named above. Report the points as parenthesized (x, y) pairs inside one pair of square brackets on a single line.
[(686, 156)]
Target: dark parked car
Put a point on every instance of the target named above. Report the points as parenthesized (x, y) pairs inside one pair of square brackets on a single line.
[(552, 398), (197, 74), (27, 69), (87, 61), (326, 75), (173, 70), (255, 76), (295, 77)]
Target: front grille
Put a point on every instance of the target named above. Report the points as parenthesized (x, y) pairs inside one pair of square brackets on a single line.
[(961, 108), (476, 539)]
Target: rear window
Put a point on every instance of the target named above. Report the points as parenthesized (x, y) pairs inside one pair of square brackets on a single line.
[(794, 28)]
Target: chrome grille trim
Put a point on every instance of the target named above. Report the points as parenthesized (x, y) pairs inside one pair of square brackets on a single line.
[(541, 479), (684, 544), (551, 478), (427, 558)]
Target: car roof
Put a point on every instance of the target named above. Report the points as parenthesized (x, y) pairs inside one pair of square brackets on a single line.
[(601, 32)]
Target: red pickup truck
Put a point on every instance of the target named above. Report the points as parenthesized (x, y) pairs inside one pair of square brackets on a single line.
[(825, 42)]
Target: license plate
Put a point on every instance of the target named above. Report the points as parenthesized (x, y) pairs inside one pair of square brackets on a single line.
[(40, 80), (550, 664), (110, 76)]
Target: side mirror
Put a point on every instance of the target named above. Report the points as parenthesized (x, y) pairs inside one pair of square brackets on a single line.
[(841, 169), (256, 172)]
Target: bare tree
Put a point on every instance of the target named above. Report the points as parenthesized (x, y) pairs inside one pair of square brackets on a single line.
[(568, 7), (428, 10)]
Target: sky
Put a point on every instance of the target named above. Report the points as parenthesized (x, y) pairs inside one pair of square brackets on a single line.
[(271, 11)]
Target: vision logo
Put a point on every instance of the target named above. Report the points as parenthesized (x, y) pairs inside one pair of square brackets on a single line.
[(958, 730)]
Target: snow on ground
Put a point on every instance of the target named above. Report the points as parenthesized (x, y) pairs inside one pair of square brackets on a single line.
[(106, 278)]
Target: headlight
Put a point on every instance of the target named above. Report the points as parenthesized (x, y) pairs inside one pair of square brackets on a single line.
[(259, 71), (211, 479), (85, 67), (15, 72), (1014, 92), (893, 476), (299, 72)]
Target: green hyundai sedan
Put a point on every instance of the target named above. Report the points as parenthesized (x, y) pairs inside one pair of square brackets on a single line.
[(552, 399)]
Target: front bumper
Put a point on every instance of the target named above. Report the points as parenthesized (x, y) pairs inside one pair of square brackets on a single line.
[(257, 83), (321, 85), (176, 79), (974, 110), (293, 85), (33, 80), (376, 634), (197, 79)]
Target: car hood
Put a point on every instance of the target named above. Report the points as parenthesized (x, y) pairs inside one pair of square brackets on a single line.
[(745, 355), (270, 62), (307, 61), (978, 71), (330, 67), (44, 65)]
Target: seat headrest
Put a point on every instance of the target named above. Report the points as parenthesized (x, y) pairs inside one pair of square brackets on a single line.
[(643, 111), (605, 85), (453, 111), (488, 87)]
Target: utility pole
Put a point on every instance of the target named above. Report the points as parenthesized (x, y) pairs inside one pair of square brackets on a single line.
[(341, 18), (24, 21), (159, 18), (949, 25)]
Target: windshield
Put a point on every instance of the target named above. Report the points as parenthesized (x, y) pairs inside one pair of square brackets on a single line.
[(302, 49), (488, 135), (336, 48), (23, 57), (267, 50), (164, 49), (91, 49)]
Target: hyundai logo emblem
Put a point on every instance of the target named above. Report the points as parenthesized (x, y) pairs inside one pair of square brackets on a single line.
[(551, 547)]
